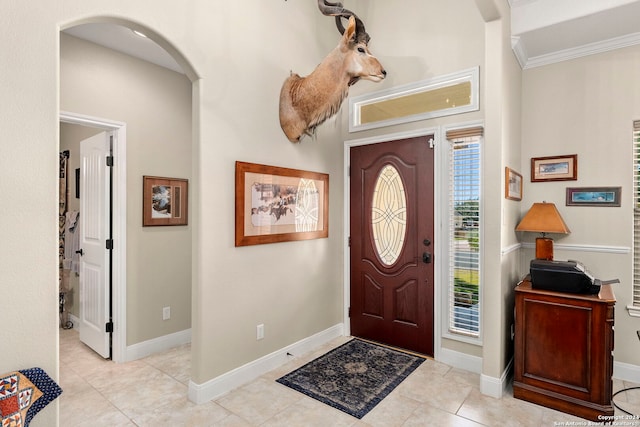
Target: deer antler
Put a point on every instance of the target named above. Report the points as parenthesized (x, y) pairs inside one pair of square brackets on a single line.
[(336, 9)]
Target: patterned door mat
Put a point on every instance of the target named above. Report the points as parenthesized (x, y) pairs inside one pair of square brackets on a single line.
[(354, 377)]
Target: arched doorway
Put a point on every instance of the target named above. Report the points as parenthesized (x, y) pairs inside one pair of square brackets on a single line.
[(127, 229)]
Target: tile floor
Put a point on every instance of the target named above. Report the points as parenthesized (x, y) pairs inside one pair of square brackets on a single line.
[(152, 392)]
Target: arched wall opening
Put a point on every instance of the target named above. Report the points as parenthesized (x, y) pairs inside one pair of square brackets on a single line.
[(130, 345)]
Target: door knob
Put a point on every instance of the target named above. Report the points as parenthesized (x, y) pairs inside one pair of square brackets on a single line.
[(81, 252), (426, 257)]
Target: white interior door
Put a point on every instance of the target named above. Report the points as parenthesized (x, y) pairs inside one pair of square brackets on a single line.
[(94, 232)]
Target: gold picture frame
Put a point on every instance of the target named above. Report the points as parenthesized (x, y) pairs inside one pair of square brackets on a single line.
[(276, 204), (164, 201)]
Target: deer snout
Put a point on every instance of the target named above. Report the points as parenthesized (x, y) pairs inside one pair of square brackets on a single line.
[(378, 76)]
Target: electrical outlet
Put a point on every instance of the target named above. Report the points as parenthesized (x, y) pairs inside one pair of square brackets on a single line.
[(260, 331), (166, 313)]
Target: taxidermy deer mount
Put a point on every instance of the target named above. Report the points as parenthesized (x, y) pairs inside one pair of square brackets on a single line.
[(306, 102)]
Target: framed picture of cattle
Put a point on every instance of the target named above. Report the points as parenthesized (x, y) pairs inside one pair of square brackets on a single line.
[(277, 204)]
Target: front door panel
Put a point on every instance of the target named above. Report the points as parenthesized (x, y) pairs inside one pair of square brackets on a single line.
[(391, 243)]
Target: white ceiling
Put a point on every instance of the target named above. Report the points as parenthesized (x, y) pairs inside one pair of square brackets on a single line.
[(543, 32), (122, 39), (548, 31)]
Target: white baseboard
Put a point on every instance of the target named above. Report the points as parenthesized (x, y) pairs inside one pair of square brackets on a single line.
[(460, 360), (149, 347), (626, 372), (490, 386), (146, 348), (216, 387), (495, 387)]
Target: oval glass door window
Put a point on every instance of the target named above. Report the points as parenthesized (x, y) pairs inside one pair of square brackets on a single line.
[(389, 215)]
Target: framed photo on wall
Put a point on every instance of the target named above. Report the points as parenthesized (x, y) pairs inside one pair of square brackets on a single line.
[(593, 196), (512, 184), (275, 204), (554, 168), (164, 201)]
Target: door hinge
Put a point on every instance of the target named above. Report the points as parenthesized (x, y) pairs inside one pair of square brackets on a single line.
[(349, 241), (432, 143), (109, 244), (349, 314), (109, 161), (108, 327)]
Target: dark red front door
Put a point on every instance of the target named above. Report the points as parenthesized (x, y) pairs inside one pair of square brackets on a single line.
[(391, 216)]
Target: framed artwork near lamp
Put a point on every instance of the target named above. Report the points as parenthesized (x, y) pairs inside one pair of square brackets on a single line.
[(554, 168), (512, 184), (593, 196)]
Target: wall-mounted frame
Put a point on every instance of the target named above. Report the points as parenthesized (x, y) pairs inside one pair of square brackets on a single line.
[(512, 184), (164, 201), (440, 96), (554, 168), (275, 204), (594, 196)]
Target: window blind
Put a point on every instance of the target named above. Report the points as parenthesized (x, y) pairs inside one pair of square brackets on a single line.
[(636, 213), (464, 232)]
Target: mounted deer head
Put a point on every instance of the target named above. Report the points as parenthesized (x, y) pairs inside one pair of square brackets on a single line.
[(306, 102)]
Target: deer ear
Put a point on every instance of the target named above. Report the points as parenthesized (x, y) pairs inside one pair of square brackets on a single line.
[(351, 29)]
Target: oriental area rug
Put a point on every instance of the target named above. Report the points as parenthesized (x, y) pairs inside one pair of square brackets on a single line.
[(354, 377)]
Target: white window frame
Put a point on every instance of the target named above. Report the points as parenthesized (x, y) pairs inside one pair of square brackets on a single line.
[(447, 225), (471, 75)]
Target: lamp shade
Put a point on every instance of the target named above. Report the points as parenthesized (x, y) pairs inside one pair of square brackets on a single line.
[(543, 218)]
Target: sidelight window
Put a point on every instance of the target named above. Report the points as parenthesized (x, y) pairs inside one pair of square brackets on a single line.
[(634, 309), (464, 278)]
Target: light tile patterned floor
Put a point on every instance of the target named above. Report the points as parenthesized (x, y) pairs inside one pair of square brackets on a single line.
[(153, 392)]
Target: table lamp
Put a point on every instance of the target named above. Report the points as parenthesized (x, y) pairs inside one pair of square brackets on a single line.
[(543, 218)]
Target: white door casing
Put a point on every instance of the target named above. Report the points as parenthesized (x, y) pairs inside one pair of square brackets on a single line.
[(95, 188)]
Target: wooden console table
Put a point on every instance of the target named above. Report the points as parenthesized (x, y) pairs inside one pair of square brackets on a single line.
[(564, 350)]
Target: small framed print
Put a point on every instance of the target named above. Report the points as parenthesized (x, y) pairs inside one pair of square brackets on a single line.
[(594, 196), (164, 201), (512, 184), (554, 168)]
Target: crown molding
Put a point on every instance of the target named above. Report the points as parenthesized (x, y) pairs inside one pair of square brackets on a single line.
[(519, 50), (526, 62)]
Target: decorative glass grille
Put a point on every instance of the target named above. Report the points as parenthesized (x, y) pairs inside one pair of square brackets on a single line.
[(389, 215)]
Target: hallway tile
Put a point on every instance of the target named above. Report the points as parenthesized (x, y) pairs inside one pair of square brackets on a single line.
[(152, 392)]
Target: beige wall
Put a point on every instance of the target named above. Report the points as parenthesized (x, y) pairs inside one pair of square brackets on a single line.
[(586, 107), (237, 71), (155, 103)]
